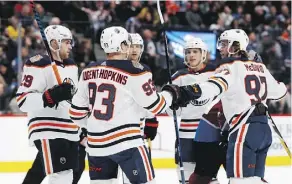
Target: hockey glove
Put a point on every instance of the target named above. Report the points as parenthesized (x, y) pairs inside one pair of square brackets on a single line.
[(182, 95), (83, 137), (56, 94), (150, 129)]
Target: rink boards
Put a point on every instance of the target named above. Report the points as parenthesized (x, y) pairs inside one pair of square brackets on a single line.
[(17, 156)]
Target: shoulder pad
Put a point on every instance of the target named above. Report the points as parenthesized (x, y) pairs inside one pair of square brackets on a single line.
[(93, 64), (69, 61), (209, 68), (179, 73), (38, 61), (230, 60), (127, 66)]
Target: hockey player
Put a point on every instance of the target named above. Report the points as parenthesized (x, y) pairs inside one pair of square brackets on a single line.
[(244, 87), (50, 128), (150, 121), (114, 92), (195, 58)]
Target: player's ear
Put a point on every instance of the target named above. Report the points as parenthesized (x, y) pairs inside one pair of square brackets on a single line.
[(54, 44)]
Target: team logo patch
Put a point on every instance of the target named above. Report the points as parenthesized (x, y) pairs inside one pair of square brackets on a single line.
[(135, 172), (62, 160), (35, 58)]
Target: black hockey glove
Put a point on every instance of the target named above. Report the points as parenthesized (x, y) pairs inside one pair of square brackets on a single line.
[(83, 137), (150, 129), (58, 93), (182, 95)]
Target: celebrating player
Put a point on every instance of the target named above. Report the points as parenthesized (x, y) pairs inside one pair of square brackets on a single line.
[(244, 87), (113, 92), (50, 128), (195, 57)]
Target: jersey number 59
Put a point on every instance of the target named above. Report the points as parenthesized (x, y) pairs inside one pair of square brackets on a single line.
[(108, 101), (253, 86)]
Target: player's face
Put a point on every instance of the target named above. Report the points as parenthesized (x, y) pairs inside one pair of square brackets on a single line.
[(125, 49), (223, 48), (135, 52), (193, 57), (65, 49)]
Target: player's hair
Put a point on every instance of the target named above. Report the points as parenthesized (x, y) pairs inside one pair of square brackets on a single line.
[(236, 46)]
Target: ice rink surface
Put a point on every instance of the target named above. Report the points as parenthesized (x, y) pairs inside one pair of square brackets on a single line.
[(274, 175)]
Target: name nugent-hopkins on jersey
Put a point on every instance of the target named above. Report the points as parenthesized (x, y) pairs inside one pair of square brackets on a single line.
[(45, 122), (116, 90)]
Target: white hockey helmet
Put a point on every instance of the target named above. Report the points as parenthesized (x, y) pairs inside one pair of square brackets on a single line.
[(58, 33), (233, 35), (195, 43), (111, 39), (137, 40)]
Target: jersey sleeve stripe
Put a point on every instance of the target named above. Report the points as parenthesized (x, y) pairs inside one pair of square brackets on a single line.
[(21, 103), (20, 96), (217, 84), (221, 82), (154, 103), (72, 113), (160, 106), (51, 124), (127, 132), (79, 108)]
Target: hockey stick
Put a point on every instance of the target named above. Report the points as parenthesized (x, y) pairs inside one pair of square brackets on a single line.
[(149, 147), (283, 142), (181, 167), (39, 22)]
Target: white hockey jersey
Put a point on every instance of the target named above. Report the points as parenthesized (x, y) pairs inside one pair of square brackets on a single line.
[(108, 103), (46, 123), (191, 115), (242, 83)]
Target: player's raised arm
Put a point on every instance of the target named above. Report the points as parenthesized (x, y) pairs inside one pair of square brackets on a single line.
[(80, 104), (145, 94)]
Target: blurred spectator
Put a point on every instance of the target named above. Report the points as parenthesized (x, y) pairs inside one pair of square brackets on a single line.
[(172, 9), (151, 9), (239, 13), (253, 43), (98, 18), (226, 16), (45, 16), (194, 18), (9, 77), (246, 23), (12, 30), (270, 50), (219, 27), (26, 17), (259, 16), (55, 21), (284, 14)]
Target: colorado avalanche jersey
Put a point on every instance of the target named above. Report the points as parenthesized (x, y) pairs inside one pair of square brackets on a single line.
[(108, 103), (37, 77), (242, 83), (191, 115)]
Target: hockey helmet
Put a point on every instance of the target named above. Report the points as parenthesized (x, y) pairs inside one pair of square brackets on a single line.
[(58, 33), (111, 39), (195, 43), (231, 36)]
